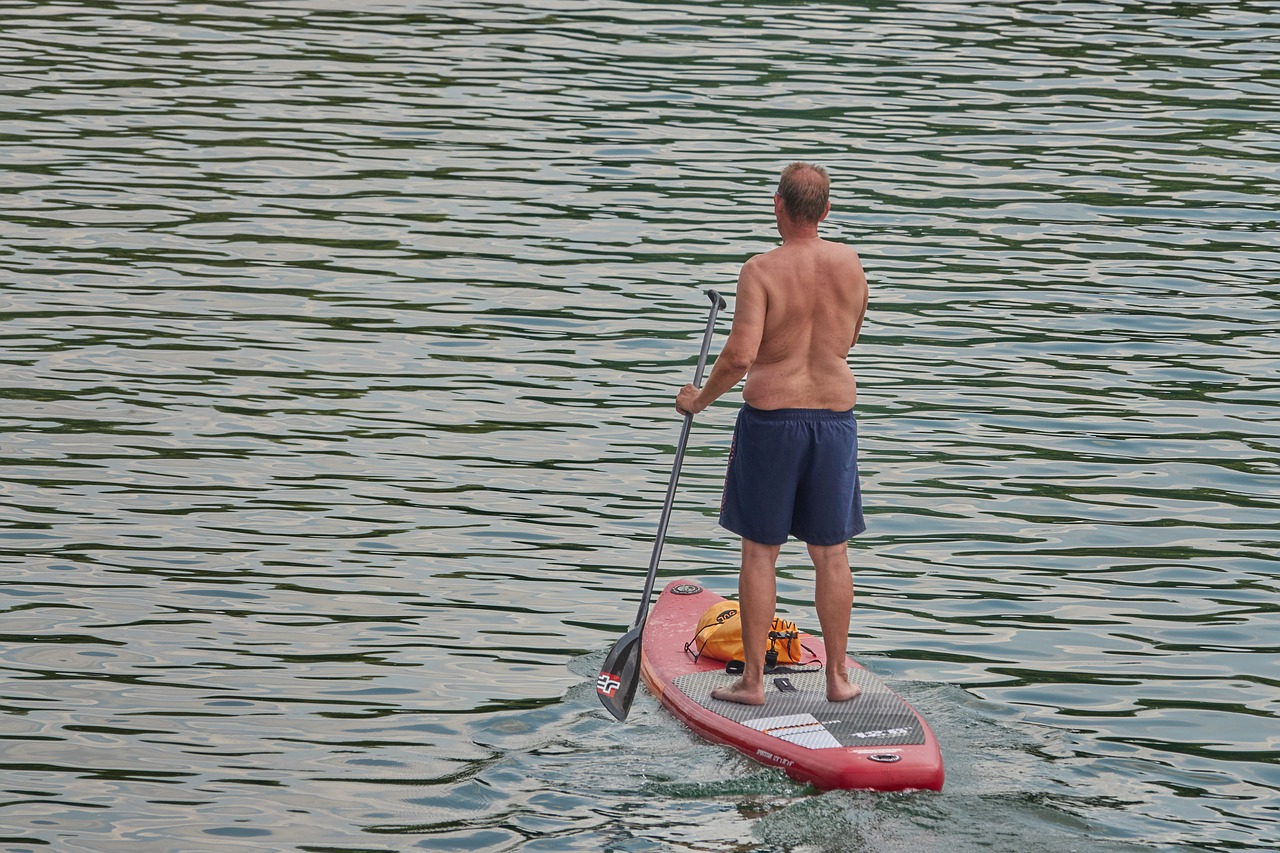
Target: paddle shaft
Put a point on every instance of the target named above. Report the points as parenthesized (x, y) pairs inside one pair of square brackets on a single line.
[(717, 303)]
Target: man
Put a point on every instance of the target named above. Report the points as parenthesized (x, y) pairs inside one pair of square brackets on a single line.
[(793, 463)]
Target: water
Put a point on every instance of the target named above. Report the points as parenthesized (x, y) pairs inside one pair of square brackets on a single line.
[(340, 342)]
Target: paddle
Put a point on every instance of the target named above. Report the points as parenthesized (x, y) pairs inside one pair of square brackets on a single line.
[(620, 673)]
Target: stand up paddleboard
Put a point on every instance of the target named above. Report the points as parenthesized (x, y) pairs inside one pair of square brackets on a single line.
[(875, 741)]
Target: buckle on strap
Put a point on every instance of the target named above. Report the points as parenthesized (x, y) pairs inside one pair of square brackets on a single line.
[(737, 667)]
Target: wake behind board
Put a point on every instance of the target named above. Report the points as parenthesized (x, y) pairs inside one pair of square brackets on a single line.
[(875, 741)]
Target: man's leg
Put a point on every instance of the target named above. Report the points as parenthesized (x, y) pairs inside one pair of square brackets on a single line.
[(833, 598), (757, 598)]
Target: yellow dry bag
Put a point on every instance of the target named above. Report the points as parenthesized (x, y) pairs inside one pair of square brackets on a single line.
[(719, 637)]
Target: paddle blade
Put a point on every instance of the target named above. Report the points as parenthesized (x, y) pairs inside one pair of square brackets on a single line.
[(620, 674)]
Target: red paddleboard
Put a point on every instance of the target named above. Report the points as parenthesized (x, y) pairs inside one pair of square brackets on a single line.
[(875, 742)]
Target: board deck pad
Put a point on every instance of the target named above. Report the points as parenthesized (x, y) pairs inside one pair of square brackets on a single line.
[(877, 717)]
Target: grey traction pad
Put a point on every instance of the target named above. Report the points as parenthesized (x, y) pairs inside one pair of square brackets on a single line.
[(877, 717)]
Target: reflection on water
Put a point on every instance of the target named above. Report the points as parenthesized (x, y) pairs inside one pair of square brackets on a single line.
[(339, 345)]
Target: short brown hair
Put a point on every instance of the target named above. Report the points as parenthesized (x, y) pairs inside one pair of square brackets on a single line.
[(805, 190)]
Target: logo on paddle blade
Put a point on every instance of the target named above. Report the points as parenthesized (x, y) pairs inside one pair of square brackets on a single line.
[(607, 684)]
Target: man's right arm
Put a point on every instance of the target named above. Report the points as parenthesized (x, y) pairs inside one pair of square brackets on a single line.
[(740, 349)]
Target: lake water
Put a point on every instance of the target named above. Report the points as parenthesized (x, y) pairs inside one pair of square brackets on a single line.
[(340, 341)]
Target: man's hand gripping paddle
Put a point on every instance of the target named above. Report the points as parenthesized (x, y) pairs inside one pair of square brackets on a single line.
[(620, 674)]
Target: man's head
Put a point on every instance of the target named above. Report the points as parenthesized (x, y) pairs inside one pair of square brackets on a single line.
[(805, 191)]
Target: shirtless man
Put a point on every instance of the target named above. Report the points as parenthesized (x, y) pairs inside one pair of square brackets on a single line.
[(793, 465)]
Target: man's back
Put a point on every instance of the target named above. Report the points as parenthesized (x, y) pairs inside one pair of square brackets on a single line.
[(814, 297)]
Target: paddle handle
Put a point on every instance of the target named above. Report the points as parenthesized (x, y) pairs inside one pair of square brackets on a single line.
[(717, 305)]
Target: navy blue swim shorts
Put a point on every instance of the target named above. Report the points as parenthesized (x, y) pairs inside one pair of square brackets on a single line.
[(793, 472)]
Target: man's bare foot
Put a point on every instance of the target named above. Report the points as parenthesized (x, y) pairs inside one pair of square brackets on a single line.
[(840, 690), (738, 692)]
